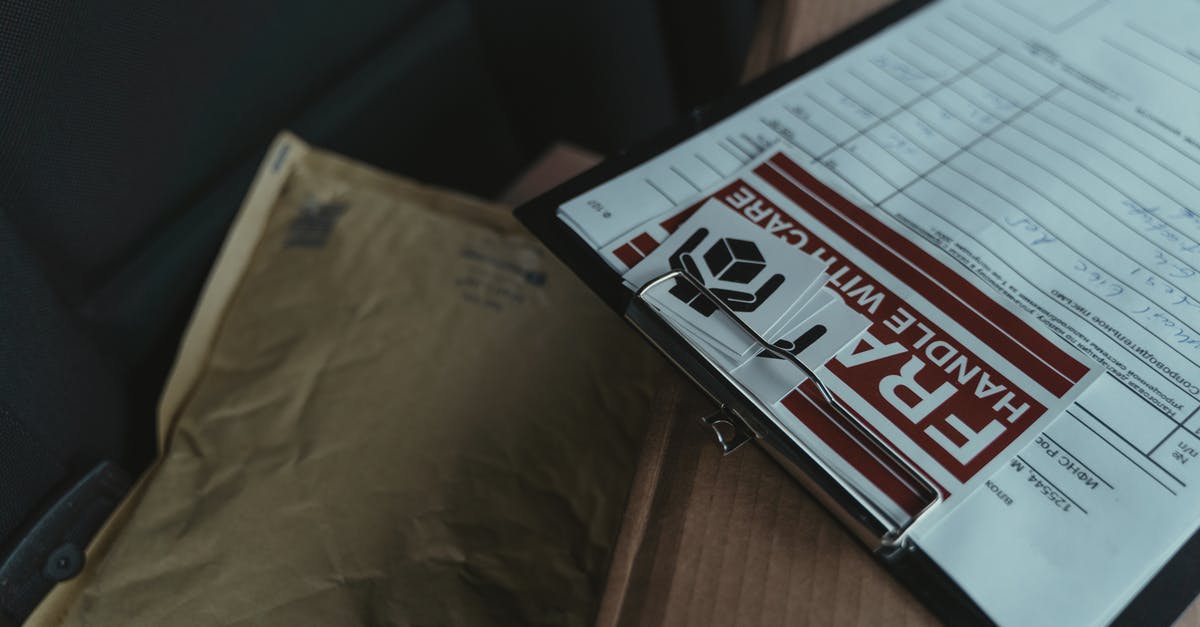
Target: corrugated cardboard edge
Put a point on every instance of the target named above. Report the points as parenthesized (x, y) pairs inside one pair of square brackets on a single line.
[(285, 151), (640, 505)]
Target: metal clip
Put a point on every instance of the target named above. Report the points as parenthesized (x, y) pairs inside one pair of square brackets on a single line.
[(732, 431)]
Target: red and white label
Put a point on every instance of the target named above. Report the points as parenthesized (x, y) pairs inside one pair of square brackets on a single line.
[(946, 373)]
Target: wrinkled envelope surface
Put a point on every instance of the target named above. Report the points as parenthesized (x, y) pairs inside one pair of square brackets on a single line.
[(391, 407)]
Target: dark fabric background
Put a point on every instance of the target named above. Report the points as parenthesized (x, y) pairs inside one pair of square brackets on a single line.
[(130, 130)]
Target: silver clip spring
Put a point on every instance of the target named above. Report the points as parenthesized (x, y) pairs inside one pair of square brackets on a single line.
[(894, 537)]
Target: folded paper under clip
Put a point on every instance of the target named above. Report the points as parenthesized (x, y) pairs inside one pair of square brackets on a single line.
[(743, 417)]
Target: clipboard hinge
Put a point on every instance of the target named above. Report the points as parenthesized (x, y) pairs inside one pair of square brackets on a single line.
[(730, 431)]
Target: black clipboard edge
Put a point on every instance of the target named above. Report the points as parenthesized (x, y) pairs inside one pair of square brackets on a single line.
[(912, 567), (1169, 593)]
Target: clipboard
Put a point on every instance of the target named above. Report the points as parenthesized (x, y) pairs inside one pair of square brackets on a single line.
[(741, 418)]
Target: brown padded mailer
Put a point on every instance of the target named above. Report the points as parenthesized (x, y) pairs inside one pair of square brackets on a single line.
[(392, 406)]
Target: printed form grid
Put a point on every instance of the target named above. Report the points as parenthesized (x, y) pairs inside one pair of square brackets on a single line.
[(957, 120)]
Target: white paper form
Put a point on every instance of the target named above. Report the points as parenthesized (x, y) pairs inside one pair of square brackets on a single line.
[(1053, 149)]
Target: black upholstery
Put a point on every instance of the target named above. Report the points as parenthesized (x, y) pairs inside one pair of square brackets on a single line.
[(130, 131)]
